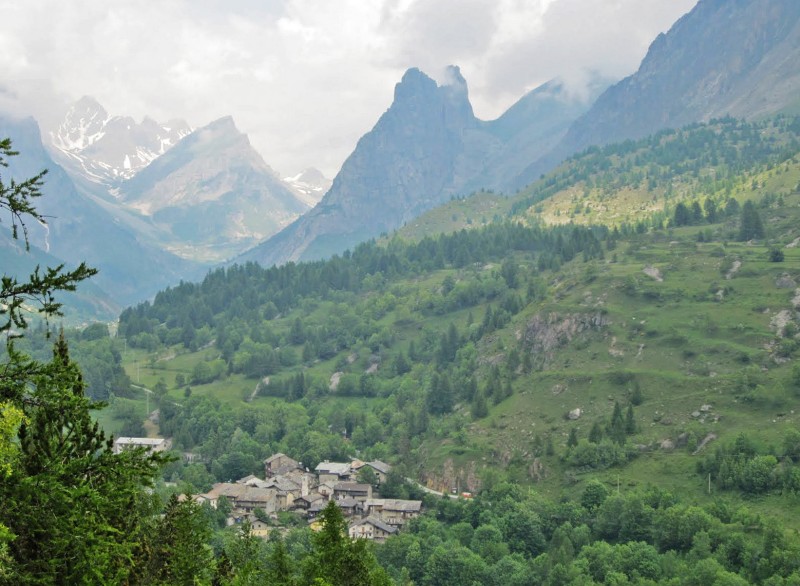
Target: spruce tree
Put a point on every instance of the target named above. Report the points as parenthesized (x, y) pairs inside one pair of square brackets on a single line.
[(682, 215), (630, 421), (572, 441), (71, 510), (750, 225)]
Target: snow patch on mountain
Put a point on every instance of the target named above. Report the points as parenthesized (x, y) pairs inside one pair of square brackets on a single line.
[(309, 185), (109, 149)]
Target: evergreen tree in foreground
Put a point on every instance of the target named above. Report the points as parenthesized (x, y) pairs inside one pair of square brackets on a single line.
[(339, 560), (71, 511)]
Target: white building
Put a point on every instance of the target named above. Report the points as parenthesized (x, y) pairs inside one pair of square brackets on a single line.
[(153, 444)]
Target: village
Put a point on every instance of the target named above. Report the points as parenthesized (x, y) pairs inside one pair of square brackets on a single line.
[(288, 486)]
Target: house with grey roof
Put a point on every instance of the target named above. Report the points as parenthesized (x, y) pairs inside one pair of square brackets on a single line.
[(280, 464), (333, 472), (359, 492), (151, 444), (395, 512), (371, 528)]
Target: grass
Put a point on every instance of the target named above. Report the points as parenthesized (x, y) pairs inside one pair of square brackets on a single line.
[(692, 338)]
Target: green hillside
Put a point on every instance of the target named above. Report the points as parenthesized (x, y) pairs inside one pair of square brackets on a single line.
[(620, 398), (459, 357), (629, 181)]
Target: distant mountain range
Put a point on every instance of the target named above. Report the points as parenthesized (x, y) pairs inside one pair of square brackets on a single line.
[(135, 197), (212, 195), (148, 204), (109, 149), (79, 228)]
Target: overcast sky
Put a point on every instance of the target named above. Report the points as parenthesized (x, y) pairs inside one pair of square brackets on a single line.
[(306, 78)]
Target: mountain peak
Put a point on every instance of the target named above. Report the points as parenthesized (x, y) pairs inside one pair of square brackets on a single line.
[(88, 103), (107, 149), (224, 123), (413, 83), (453, 77)]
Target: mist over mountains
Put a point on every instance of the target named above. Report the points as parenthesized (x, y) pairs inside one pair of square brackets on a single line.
[(427, 148), (723, 58), (187, 199), (737, 58)]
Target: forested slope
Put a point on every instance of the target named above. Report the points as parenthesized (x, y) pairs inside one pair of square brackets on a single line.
[(651, 356)]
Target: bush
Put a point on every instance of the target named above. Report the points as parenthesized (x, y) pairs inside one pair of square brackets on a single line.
[(775, 255)]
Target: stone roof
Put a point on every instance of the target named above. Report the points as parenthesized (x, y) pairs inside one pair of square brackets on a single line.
[(338, 468), (139, 441), (246, 479), (274, 457), (226, 489), (382, 467), (351, 487), (283, 483), (317, 506), (256, 495), (375, 522), (394, 504)]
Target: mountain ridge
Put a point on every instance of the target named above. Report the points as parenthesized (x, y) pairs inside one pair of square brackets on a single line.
[(109, 149), (425, 149), (735, 58)]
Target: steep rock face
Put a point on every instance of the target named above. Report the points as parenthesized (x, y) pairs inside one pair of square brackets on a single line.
[(212, 194), (725, 57), (426, 148), (411, 160), (79, 229), (109, 149)]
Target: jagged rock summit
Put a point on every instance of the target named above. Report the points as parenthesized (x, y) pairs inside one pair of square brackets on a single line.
[(109, 149), (425, 149)]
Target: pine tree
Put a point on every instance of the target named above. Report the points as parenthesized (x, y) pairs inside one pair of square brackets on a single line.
[(630, 421), (75, 509), (479, 408), (616, 428), (750, 226), (572, 441), (339, 560), (682, 215), (711, 213), (179, 550), (696, 213), (596, 433), (279, 566)]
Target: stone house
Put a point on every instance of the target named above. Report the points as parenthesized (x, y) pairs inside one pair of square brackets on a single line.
[(280, 464), (354, 490), (371, 528), (151, 444), (395, 512), (380, 469), (333, 472)]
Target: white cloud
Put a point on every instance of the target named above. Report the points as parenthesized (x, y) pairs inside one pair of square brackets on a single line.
[(306, 78)]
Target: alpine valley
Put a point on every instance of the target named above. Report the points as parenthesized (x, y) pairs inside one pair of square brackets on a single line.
[(558, 347)]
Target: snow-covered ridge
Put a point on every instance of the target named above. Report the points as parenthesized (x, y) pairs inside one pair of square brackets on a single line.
[(309, 185), (109, 149)]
